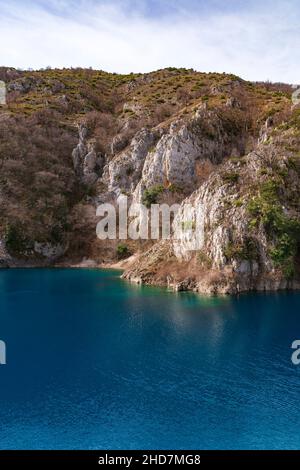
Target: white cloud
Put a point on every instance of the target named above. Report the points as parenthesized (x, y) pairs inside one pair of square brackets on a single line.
[(258, 44)]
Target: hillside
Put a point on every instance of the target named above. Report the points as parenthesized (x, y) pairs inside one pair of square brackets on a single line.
[(71, 139)]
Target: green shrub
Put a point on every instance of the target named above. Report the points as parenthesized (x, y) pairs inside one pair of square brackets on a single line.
[(282, 230), (151, 195), (122, 251), (16, 240), (238, 202), (57, 233), (283, 255), (231, 177)]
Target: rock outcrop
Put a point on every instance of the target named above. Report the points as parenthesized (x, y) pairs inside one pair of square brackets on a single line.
[(176, 159), (88, 164), (5, 257), (225, 150), (233, 234), (49, 250), (124, 172)]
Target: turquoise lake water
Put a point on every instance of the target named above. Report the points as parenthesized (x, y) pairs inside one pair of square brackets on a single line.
[(96, 363)]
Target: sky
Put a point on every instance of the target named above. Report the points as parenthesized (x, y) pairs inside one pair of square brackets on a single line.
[(257, 40)]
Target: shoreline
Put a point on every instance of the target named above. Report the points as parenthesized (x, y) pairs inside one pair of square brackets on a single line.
[(121, 267)]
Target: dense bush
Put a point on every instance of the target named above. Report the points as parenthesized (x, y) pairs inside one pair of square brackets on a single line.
[(151, 195), (122, 251), (231, 177), (283, 230), (15, 239)]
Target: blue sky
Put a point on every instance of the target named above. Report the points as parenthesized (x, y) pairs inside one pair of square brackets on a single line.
[(256, 40)]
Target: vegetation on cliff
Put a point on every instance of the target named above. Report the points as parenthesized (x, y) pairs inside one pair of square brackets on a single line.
[(72, 138)]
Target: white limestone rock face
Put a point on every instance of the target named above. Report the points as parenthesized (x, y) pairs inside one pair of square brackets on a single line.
[(265, 130), (5, 257), (49, 250), (2, 93), (221, 233), (213, 247), (208, 223), (172, 161), (88, 164), (123, 173), (119, 143), (175, 159), (206, 211), (221, 220)]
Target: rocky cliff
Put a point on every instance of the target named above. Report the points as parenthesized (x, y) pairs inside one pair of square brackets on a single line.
[(226, 149)]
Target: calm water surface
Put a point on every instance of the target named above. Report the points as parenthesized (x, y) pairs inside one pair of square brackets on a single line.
[(94, 362)]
